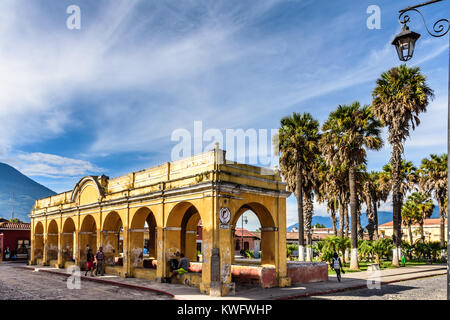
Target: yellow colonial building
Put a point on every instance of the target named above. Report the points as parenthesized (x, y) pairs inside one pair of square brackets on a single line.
[(431, 228), (165, 204)]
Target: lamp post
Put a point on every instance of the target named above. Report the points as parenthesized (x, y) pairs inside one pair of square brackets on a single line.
[(244, 219), (404, 43)]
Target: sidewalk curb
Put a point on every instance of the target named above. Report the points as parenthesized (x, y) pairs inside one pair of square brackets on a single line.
[(356, 287), (121, 284)]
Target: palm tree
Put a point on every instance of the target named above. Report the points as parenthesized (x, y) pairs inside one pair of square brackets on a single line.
[(346, 134), (433, 179), (298, 138), (425, 208), (328, 191), (400, 95), (368, 186), (410, 217)]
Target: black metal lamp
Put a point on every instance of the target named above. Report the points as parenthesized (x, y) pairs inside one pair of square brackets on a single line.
[(405, 42)]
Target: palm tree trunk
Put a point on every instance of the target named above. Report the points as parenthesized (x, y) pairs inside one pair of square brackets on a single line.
[(301, 235), (410, 234), (354, 236), (333, 220), (396, 202), (375, 219), (341, 218), (422, 234), (309, 208), (370, 217), (347, 222), (442, 222)]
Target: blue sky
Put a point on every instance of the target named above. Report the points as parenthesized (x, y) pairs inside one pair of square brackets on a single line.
[(106, 98)]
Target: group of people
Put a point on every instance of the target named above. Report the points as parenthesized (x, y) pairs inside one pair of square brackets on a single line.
[(178, 265), (96, 261)]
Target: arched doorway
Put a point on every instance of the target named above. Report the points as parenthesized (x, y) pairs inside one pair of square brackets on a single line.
[(52, 241), (143, 238), (182, 225), (88, 237), (38, 241), (68, 246), (266, 234), (112, 239)]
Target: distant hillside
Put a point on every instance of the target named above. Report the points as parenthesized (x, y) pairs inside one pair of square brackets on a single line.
[(383, 217), (26, 191)]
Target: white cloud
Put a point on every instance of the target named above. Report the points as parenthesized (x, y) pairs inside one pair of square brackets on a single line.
[(53, 166)]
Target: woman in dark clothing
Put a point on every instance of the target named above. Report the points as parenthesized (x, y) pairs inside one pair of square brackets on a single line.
[(89, 262)]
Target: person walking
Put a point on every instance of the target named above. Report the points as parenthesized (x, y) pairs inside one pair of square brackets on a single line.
[(336, 265), (89, 263), (100, 257)]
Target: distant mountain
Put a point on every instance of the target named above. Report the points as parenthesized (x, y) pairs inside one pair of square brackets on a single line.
[(383, 217), (26, 192)]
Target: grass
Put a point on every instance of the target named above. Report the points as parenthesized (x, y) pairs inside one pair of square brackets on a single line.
[(363, 265)]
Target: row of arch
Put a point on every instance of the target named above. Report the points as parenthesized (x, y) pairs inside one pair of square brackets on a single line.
[(182, 221)]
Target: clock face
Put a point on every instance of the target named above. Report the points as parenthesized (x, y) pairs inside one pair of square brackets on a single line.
[(224, 215)]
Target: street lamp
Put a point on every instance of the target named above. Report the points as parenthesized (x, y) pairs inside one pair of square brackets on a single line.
[(404, 43), (244, 219)]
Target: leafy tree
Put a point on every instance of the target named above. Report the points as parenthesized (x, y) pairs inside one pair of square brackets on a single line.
[(400, 95)]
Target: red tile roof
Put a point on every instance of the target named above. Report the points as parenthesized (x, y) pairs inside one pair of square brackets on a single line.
[(427, 222), (14, 226), (247, 233)]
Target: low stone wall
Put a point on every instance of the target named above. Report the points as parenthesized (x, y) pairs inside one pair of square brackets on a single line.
[(306, 272), (145, 273), (114, 270)]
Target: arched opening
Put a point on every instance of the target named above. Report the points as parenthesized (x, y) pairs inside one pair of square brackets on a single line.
[(183, 227), (38, 240), (264, 239), (112, 239), (88, 238), (68, 239), (52, 241), (247, 237), (143, 249)]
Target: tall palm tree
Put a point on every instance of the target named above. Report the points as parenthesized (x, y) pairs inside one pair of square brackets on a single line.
[(433, 179), (379, 195), (424, 209), (368, 186), (410, 217), (328, 191), (298, 137), (311, 187), (346, 134), (400, 95)]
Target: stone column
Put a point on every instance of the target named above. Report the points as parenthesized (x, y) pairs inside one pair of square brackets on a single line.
[(162, 268), (126, 254), (283, 279), (60, 257), (45, 249)]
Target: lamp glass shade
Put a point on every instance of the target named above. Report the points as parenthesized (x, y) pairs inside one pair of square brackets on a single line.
[(405, 43)]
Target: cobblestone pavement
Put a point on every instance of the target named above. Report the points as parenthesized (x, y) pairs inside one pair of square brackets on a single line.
[(20, 284), (433, 288)]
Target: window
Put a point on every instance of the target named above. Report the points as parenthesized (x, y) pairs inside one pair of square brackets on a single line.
[(238, 246)]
